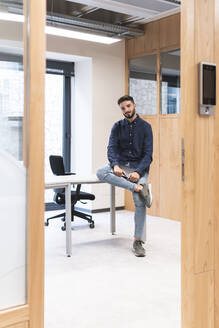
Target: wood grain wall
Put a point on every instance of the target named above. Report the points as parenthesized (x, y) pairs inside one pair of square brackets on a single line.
[(199, 210), (216, 175), (165, 173), (160, 35)]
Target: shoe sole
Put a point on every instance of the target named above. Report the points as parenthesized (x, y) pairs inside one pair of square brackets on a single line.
[(149, 202), (148, 197), (138, 255)]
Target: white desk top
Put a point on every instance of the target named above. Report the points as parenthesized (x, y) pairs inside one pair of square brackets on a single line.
[(54, 181)]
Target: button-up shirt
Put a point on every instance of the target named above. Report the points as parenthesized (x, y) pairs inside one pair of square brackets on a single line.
[(131, 144)]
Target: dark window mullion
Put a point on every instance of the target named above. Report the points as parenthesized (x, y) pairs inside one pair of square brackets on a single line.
[(67, 122)]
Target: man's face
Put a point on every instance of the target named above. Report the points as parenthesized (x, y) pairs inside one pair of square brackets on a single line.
[(128, 108)]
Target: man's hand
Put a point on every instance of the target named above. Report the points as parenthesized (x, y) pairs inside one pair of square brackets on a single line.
[(118, 171), (134, 176)]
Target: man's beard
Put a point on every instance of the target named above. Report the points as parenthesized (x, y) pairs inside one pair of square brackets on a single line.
[(129, 116)]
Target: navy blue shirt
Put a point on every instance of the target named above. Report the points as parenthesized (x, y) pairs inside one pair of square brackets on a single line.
[(131, 144)]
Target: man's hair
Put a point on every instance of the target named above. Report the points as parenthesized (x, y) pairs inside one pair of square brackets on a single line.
[(125, 98)]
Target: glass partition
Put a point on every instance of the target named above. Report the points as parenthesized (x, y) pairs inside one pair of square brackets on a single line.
[(12, 170), (143, 84), (170, 82)]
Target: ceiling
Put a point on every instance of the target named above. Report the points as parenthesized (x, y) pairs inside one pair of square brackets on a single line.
[(117, 18)]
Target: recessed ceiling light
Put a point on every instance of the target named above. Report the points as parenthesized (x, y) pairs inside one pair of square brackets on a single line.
[(79, 35)]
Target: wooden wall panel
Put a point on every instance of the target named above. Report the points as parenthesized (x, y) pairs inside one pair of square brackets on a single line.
[(204, 300), (139, 45), (204, 146), (198, 287), (130, 48), (20, 325), (151, 39), (160, 34), (169, 31), (170, 168), (216, 176), (13, 316), (34, 95)]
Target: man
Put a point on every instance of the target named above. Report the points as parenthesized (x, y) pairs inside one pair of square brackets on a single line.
[(129, 153)]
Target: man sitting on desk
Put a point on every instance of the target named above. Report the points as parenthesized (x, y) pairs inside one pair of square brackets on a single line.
[(129, 153)]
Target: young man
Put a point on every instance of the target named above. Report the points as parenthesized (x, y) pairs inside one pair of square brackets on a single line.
[(129, 153)]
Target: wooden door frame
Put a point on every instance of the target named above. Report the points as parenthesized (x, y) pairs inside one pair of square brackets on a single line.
[(31, 315)]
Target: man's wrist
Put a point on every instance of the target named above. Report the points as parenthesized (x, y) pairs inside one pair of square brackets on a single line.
[(138, 172)]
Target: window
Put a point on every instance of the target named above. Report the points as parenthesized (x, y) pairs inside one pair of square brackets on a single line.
[(170, 82), (143, 84), (59, 77)]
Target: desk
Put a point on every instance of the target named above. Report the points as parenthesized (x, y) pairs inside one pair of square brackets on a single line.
[(65, 181)]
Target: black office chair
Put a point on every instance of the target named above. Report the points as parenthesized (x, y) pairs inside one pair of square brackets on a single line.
[(57, 166)]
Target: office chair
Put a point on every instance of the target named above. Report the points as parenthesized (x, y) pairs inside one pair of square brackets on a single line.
[(57, 167)]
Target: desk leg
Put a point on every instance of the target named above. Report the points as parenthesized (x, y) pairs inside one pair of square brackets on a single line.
[(112, 210), (68, 219)]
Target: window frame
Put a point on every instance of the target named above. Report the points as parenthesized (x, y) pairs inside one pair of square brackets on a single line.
[(67, 70)]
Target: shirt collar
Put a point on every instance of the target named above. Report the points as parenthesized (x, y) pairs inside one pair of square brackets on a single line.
[(134, 122)]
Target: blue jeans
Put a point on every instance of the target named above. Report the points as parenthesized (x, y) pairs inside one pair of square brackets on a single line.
[(106, 174)]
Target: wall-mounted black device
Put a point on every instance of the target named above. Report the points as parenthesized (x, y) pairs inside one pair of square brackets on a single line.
[(207, 88)]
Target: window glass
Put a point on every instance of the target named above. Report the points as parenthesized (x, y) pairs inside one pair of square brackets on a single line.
[(11, 108), (53, 122), (170, 82), (13, 174), (143, 84)]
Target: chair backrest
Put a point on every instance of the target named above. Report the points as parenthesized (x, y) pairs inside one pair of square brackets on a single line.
[(57, 165)]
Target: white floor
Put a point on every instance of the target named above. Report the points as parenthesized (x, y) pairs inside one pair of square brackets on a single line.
[(104, 285)]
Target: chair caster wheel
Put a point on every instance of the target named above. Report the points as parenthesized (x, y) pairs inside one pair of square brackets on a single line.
[(46, 224), (92, 225), (63, 228)]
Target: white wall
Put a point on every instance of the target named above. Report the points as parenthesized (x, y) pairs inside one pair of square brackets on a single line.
[(107, 76), (82, 117)]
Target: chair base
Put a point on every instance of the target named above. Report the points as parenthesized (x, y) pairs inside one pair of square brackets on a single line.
[(81, 215)]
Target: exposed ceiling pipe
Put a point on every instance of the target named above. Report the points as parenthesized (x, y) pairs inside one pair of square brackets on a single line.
[(57, 20), (81, 24)]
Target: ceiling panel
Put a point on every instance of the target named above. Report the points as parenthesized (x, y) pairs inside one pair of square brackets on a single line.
[(140, 8), (155, 5)]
